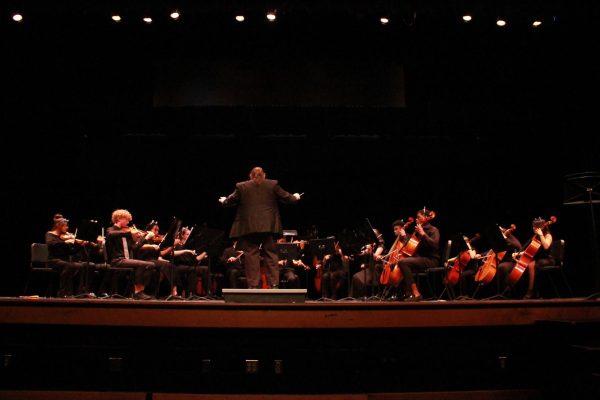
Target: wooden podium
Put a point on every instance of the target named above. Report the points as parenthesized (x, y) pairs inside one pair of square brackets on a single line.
[(264, 295)]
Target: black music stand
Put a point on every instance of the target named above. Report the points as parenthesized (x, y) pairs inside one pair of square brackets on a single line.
[(366, 236), (210, 241), (584, 189), (169, 242), (289, 252), (322, 247), (88, 230)]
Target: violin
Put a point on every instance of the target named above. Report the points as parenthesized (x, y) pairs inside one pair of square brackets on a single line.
[(523, 259), (73, 236), (394, 257)]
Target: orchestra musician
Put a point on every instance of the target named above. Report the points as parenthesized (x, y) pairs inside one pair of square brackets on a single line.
[(234, 267), (150, 251), (427, 254), (122, 243), (334, 276), (368, 275), (542, 256), (189, 264), (64, 254), (257, 223)]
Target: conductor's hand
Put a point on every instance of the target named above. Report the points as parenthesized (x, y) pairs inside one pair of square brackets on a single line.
[(296, 196), (222, 199)]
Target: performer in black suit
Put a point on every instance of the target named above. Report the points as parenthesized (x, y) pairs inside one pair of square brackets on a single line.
[(257, 222)]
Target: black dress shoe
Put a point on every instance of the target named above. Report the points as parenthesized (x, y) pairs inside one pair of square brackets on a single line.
[(103, 295), (142, 296), (412, 297)]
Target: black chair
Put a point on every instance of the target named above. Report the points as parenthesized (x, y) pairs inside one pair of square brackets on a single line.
[(39, 266), (557, 250), (430, 274)]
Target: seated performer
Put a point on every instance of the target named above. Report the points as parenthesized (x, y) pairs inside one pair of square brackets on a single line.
[(334, 268), (234, 267), (150, 251), (121, 247), (188, 264), (542, 256), (64, 255), (369, 274), (427, 254)]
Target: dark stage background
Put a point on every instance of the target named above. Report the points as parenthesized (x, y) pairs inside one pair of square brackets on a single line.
[(477, 123)]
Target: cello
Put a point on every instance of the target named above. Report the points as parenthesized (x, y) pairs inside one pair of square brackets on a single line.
[(486, 273), (459, 263), (393, 256), (527, 255), (408, 250)]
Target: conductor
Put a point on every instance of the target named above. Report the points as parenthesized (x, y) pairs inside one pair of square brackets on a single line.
[(257, 223)]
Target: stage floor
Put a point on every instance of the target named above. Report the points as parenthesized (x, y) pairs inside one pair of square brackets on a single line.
[(310, 315)]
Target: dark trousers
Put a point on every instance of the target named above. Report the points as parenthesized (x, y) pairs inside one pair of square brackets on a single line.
[(415, 264), (250, 245), (144, 270), (332, 284), (68, 271)]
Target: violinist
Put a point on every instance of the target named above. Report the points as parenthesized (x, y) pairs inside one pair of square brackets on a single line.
[(427, 254), (150, 251), (122, 244), (367, 276), (542, 256), (64, 254), (189, 264)]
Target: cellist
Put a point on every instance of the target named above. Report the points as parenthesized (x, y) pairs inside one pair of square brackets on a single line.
[(542, 256), (426, 256)]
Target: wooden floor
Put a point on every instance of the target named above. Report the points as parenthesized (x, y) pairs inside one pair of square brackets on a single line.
[(311, 315)]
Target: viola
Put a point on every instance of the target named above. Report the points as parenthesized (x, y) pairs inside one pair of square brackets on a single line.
[(393, 257), (408, 250), (527, 255), (459, 263)]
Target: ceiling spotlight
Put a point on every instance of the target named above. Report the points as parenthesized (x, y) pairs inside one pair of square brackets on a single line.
[(536, 23), (175, 15), (147, 20), (17, 17), (271, 16), (500, 22), (240, 18), (467, 18), (116, 18), (384, 20)]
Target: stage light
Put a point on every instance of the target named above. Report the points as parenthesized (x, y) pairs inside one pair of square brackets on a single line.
[(240, 18), (536, 23), (17, 17), (116, 18), (271, 16), (467, 18), (175, 15), (384, 20), (500, 22), (147, 20)]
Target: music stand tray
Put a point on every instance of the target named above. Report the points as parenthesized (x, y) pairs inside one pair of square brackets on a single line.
[(288, 251)]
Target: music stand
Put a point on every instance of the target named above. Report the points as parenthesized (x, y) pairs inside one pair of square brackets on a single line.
[(88, 230), (366, 235), (210, 241), (580, 189), (169, 242)]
